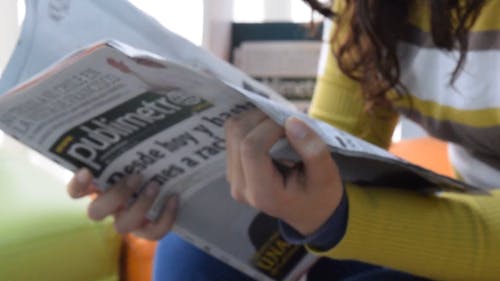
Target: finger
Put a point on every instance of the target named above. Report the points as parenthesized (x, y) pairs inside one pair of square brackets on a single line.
[(233, 164), (237, 129), (81, 184), (262, 178), (155, 230), (312, 150), (229, 142), (135, 216), (115, 198)]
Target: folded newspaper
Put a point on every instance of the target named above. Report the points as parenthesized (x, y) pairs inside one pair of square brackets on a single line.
[(117, 110)]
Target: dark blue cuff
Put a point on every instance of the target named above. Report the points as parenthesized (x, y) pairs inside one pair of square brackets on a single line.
[(327, 236)]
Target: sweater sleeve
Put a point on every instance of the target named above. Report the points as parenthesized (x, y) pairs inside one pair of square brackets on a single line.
[(448, 236)]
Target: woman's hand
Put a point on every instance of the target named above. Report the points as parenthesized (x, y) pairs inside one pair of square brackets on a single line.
[(116, 200), (304, 198)]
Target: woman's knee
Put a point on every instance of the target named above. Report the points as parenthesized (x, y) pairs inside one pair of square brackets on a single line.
[(176, 260)]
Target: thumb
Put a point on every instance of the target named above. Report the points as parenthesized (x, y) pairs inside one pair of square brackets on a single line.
[(313, 151)]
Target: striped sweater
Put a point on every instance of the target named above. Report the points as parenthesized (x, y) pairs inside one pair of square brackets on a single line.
[(446, 236)]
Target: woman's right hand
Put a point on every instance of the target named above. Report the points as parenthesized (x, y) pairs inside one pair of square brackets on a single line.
[(115, 202)]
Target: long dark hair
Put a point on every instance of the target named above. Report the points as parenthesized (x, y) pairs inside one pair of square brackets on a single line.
[(367, 33)]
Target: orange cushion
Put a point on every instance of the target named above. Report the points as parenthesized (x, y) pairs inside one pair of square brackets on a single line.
[(138, 259), (427, 152)]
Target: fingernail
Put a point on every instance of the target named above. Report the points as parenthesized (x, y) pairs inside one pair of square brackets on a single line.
[(133, 180), (296, 128), (152, 189), (83, 176)]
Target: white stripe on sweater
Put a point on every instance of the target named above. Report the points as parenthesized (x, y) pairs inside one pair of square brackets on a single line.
[(471, 170), (426, 73)]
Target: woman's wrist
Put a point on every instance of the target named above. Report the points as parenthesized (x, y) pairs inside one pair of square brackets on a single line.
[(329, 234)]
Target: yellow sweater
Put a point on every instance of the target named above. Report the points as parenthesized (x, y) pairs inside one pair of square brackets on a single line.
[(446, 236)]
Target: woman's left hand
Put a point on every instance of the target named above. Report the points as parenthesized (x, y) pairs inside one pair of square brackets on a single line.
[(304, 198)]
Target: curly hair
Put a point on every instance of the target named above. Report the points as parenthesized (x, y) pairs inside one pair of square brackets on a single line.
[(368, 31)]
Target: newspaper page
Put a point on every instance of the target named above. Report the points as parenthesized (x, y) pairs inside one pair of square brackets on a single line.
[(359, 161), (118, 111)]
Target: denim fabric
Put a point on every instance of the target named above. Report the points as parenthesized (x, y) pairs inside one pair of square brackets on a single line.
[(177, 260)]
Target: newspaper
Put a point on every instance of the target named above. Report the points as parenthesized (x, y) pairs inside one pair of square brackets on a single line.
[(116, 110)]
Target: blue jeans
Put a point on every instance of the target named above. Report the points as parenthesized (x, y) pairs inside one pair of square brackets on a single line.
[(177, 260)]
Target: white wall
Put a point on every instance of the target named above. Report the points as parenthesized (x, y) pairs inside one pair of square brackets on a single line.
[(218, 15), (182, 17), (278, 10)]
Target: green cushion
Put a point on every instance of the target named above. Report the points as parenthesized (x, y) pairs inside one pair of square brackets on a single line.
[(45, 235)]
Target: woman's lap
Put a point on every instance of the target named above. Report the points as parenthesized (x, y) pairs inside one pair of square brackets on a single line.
[(176, 260)]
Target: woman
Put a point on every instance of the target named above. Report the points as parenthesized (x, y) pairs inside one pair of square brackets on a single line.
[(435, 62)]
